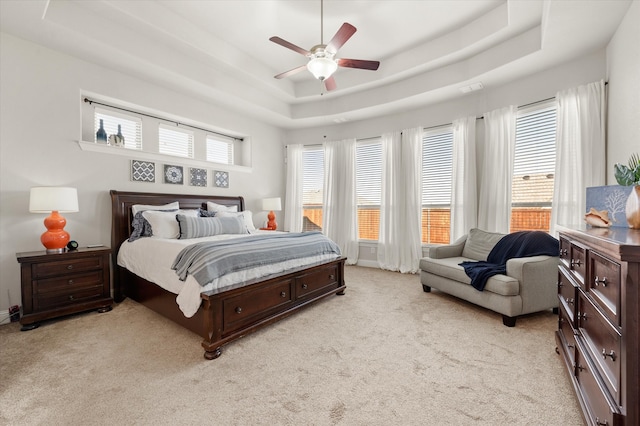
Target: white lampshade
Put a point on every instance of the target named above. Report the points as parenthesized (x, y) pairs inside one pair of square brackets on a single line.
[(45, 199), (322, 68), (272, 204)]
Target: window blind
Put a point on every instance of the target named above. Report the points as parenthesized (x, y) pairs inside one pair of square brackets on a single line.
[(437, 168), (219, 151), (176, 142), (130, 126), (368, 188)]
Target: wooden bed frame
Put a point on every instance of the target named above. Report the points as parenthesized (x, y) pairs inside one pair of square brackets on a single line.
[(224, 315)]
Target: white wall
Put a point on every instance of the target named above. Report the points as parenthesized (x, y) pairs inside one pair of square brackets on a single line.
[(39, 127), (623, 73)]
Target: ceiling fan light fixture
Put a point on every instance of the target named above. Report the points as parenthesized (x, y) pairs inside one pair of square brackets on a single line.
[(322, 68)]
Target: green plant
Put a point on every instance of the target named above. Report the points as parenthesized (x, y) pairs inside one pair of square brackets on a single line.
[(630, 174)]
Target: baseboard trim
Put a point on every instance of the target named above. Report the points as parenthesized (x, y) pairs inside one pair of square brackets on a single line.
[(368, 264)]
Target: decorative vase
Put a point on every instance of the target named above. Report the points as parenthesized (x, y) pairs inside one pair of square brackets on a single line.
[(101, 134), (117, 139), (633, 208)]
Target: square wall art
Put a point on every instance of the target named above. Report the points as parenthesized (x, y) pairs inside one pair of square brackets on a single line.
[(197, 177), (613, 199), (221, 179), (173, 174), (143, 171)]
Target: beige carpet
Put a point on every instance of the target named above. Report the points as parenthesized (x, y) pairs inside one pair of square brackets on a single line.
[(384, 354)]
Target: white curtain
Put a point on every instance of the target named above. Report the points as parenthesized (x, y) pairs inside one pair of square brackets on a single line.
[(464, 196), (580, 151), (494, 210), (399, 242), (293, 195), (340, 215)]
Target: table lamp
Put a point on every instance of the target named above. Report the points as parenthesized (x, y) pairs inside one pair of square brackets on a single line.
[(50, 199), (272, 204)]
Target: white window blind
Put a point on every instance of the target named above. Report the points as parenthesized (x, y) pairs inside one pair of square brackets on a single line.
[(535, 158), (437, 167), (312, 188), (219, 151), (130, 126), (369, 173), (176, 142)]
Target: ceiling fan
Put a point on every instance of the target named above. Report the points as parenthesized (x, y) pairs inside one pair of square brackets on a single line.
[(322, 62)]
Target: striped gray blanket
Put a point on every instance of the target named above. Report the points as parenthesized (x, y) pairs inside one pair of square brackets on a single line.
[(209, 260)]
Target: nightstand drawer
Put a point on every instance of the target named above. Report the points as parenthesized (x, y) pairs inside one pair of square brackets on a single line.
[(71, 297), (49, 269), (67, 283)]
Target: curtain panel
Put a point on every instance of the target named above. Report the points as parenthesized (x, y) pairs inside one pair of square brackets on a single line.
[(293, 214), (464, 192), (494, 209), (340, 214), (580, 151), (399, 241)]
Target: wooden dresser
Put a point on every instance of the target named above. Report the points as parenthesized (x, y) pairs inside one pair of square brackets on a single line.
[(599, 321)]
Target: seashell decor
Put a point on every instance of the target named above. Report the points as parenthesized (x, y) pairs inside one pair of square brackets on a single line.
[(597, 218)]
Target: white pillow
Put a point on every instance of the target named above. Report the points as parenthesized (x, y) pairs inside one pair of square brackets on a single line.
[(248, 218), (165, 224), (213, 207), (142, 207)]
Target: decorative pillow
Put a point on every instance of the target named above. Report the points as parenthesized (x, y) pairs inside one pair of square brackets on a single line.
[(195, 227), (206, 213), (164, 224), (479, 244), (141, 227), (213, 207), (246, 214), (142, 207)]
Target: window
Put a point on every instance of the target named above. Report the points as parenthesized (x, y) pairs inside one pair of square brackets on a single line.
[(533, 169), (130, 126), (368, 188), (437, 170), (312, 188), (176, 142), (219, 150)]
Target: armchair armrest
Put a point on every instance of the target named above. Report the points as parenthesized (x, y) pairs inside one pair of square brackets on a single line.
[(448, 250), (538, 277)]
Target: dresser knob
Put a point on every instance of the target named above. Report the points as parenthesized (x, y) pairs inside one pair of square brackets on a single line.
[(581, 368), (70, 281), (283, 294), (569, 300), (332, 277), (71, 297), (598, 281), (564, 252), (576, 262), (69, 267), (611, 354), (560, 284), (238, 310), (601, 422), (582, 316), (304, 286)]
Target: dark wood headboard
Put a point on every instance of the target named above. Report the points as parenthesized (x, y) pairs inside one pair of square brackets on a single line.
[(121, 217)]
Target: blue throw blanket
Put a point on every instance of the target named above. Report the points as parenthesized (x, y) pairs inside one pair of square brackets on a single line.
[(209, 260), (517, 244)]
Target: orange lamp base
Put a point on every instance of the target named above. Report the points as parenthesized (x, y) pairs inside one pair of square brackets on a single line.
[(55, 238), (271, 223)]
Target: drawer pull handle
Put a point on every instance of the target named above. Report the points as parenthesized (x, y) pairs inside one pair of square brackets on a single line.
[(611, 354), (598, 281), (283, 294), (601, 422), (576, 262), (70, 281), (238, 310), (569, 300), (564, 252), (581, 368), (304, 286), (560, 284), (582, 316), (69, 267), (332, 277), (71, 297)]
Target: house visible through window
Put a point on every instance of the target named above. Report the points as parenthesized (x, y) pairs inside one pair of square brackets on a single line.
[(174, 141), (130, 126), (437, 170), (219, 150), (312, 188), (368, 188), (533, 170)]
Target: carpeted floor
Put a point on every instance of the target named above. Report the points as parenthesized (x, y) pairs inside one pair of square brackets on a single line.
[(386, 353)]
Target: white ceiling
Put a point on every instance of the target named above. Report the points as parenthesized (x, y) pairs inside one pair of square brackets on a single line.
[(220, 51)]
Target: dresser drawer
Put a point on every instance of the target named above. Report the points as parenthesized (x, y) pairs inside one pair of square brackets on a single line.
[(603, 285), (252, 306), (602, 341), (49, 269), (567, 293), (600, 409), (567, 335), (578, 263), (72, 296), (67, 283), (315, 281)]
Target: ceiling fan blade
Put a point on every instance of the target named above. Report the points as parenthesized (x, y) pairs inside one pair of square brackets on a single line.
[(344, 33), (284, 43), (358, 63), (330, 84), (290, 72)]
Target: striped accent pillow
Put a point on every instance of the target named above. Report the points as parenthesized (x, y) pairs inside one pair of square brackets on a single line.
[(195, 227)]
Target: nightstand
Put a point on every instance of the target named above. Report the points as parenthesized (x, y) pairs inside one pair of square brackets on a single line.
[(60, 284)]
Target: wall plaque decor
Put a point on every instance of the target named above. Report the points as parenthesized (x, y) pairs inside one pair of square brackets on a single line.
[(173, 174), (612, 199), (143, 171), (197, 177), (221, 179)]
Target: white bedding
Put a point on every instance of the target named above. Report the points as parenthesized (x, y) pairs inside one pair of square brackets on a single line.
[(151, 259)]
